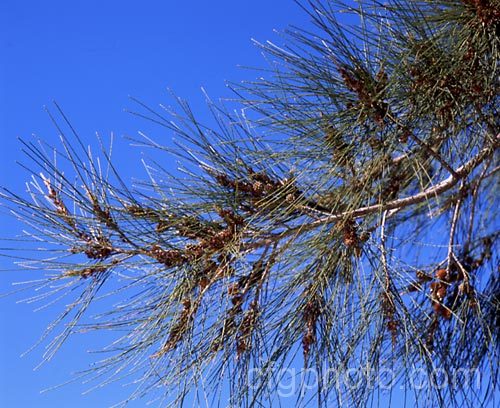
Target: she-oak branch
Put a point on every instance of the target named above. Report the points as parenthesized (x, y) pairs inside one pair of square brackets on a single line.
[(459, 174)]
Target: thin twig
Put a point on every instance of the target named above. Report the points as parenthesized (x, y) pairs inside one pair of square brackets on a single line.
[(453, 227)]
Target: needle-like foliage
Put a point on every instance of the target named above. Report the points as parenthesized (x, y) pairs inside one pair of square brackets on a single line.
[(345, 218)]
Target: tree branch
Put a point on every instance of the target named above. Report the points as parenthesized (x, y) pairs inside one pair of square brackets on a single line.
[(440, 188)]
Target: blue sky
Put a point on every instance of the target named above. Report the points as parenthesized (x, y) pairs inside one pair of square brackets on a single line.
[(90, 56)]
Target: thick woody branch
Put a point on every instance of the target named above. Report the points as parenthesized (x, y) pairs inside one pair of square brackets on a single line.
[(459, 174)]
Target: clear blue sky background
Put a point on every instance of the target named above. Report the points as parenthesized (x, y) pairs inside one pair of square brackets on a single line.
[(89, 56)]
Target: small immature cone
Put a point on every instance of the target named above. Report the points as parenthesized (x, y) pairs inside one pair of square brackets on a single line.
[(441, 274), (310, 316), (441, 293)]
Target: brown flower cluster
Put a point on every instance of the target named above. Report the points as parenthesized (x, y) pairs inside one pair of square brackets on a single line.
[(369, 90), (352, 238), (486, 10), (96, 247), (390, 315), (310, 316), (168, 257), (244, 339), (236, 320), (61, 209), (180, 327), (205, 247), (258, 185), (445, 85), (102, 214)]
